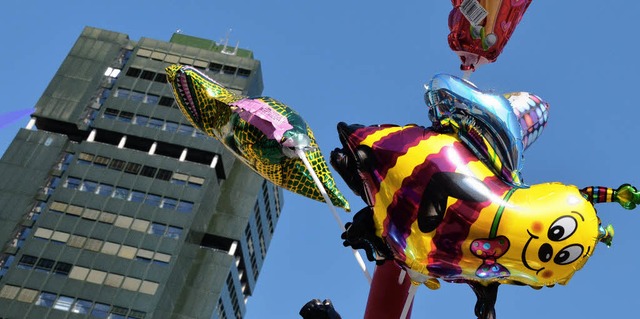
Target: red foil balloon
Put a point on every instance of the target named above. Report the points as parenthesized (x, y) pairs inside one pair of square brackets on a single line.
[(481, 28)]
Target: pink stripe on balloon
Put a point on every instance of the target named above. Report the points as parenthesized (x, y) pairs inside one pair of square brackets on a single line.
[(262, 116)]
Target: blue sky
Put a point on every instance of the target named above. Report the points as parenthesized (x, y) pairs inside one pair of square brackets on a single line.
[(366, 62)]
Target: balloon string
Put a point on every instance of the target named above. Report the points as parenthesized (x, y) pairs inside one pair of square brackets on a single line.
[(359, 259), (403, 273), (407, 303)]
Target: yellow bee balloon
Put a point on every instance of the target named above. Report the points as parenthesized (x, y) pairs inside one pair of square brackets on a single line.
[(447, 202)]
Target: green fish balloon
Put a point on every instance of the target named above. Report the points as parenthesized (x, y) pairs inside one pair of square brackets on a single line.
[(262, 132)]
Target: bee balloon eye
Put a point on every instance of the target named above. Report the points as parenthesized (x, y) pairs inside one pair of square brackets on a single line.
[(562, 228), (568, 255)]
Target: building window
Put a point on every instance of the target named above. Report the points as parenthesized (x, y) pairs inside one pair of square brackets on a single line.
[(72, 183), (121, 193), (155, 123), (110, 113), (93, 244), (166, 101), (20, 236), (195, 181), (263, 247), (63, 303), (215, 67), (108, 218), (136, 196), (153, 200), (147, 75), (157, 229), (134, 72), (27, 295), (141, 120), (174, 232), (118, 313), (36, 210), (57, 208), (185, 207), (165, 230), (126, 117), (229, 69), (148, 171), (164, 174), (140, 225), (64, 161), (76, 241), (137, 96), (59, 237), (144, 255), (112, 72), (105, 190), (62, 268), (51, 185), (89, 186), (101, 161), (89, 213), (169, 203), (135, 314), (45, 264), (114, 280), (123, 221), (43, 233), (244, 73), (46, 299), (105, 94), (152, 99), (132, 168), (110, 248), (27, 262), (81, 306), (185, 129), (85, 158), (117, 164), (100, 310), (160, 77), (179, 179), (171, 126), (123, 93), (9, 292)]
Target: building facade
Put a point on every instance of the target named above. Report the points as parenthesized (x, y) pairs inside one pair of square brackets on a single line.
[(113, 206)]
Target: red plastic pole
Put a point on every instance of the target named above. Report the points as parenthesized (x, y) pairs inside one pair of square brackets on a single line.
[(386, 296)]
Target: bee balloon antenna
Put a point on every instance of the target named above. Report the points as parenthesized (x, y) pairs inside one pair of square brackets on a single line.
[(626, 195)]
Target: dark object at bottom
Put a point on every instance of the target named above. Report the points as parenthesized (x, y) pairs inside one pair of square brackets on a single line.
[(487, 296), (316, 309)]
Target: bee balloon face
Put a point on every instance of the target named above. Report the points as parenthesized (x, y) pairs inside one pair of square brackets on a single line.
[(553, 230)]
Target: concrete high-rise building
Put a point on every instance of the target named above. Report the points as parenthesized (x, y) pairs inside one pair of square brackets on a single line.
[(113, 206)]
